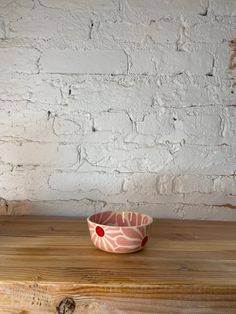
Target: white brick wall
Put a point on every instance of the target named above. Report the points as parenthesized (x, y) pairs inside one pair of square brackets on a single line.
[(79, 62), (118, 104)]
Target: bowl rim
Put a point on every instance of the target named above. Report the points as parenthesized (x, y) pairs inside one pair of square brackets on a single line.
[(113, 211)]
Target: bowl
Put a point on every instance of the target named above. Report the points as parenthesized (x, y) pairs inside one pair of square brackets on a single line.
[(119, 232)]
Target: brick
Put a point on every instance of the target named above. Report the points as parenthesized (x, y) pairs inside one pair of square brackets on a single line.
[(208, 122), (185, 91), (142, 140), (90, 61), (211, 31), (113, 121), (193, 184), (222, 8), (60, 28), (23, 184), (95, 8), (220, 91), (5, 168), (35, 90), (208, 212), (124, 32), (44, 122), (160, 32), (126, 159), (156, 209), (31, 26), (140, 187), (100, 137), (181, 91), (143, 62), (21, 3), (20, 60), (199, 62), (165, 32), (155, 124), (73, 125), (227, 185), (137, 10), (164, 184), (215, 198), (140, 184), (4, 3), (104, 183), (222, 60), (22, 124), (203, 126), (215, 160), (94, 95), (171, 62), (230, 127), (48, 154), (26, 124), (2, 28)]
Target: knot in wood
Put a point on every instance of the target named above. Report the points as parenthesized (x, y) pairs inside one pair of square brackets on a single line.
[(66, 306)]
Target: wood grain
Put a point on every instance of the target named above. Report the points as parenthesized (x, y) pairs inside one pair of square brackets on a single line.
[(187, 267)]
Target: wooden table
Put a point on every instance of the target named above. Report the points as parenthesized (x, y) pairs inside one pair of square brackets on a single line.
[(49, 265)]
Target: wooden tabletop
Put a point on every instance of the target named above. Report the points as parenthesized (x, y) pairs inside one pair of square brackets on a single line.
[(49, 265)]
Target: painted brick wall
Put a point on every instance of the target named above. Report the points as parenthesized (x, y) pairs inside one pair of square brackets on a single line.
[(118, 104)]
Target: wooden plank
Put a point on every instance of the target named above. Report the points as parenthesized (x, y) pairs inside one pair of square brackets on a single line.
[(188, 267)]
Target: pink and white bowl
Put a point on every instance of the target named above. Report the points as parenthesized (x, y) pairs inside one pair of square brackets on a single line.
[(119, 232)]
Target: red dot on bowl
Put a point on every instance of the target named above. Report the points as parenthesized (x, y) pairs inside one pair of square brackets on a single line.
[(100, 232), (144, 241)]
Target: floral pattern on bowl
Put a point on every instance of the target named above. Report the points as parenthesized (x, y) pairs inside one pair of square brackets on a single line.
[(119, 232)]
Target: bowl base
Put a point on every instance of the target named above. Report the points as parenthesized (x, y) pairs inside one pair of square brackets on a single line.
[(114, 252)]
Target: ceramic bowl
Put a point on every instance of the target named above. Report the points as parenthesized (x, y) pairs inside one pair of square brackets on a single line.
[(119, 232)]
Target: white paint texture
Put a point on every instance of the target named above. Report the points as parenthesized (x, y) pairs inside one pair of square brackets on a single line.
[(118, 104)]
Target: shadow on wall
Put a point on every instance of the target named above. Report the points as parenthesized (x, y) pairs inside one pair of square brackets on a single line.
[(82, 207), (14, 207), (216, 208)]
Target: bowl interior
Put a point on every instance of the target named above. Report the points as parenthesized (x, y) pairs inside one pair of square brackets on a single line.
[(122, 219)]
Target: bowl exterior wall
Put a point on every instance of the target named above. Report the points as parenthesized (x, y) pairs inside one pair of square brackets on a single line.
[(118, 239)]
